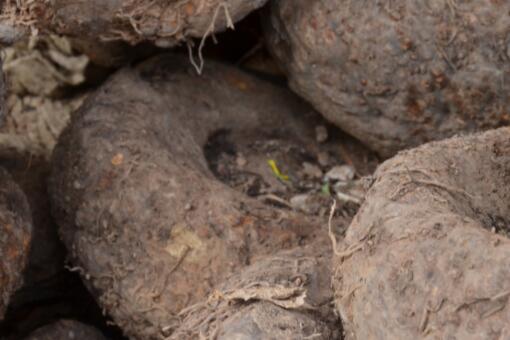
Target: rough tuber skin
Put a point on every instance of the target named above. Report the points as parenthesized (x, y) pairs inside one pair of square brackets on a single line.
[(284, 296), (148, 224), (397, 74), (15, 231), (47, 254), (106, 30), (428, 254), (164, 22)]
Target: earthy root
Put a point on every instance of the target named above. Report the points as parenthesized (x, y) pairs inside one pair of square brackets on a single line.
[(285, 296), (15, 231), (433, 248), (150, 227), (397, 73), (166, 23)]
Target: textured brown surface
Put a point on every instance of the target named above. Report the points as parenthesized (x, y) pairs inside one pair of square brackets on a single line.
[(428, 255), (66, 330), (397, 73), (163, 22), (15, 233), (46, 257), (151, 228), (284, 296)]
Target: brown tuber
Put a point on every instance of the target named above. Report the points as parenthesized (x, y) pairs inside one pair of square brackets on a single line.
[(397, 74), (166, 23), (428, 254), (15, 234), (283, 296), (149, 226)]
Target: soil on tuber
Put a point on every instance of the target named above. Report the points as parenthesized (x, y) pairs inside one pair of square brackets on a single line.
[(428, 254), (149, 226), (397, 74)]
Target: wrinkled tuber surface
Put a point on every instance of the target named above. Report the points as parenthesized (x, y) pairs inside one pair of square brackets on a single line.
[(66, 330), (284, 296), (149, 225), (15, 231), (165, 22), (397, 73), (428, 254)]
